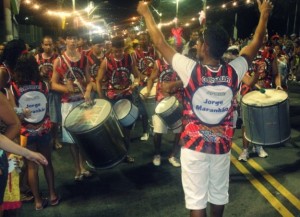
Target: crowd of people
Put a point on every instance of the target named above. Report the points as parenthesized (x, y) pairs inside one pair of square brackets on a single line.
[(39, 88)]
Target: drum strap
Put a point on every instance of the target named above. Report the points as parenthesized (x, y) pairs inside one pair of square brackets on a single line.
[(71, 70)]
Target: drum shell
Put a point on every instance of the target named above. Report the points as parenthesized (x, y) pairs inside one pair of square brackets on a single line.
[(172, 116), (131, 116), (149, 102), (103, 146), (150, 105), (267, 125)]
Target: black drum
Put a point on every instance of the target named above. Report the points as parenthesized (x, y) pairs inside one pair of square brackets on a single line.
[(266, 117), (98, 133)]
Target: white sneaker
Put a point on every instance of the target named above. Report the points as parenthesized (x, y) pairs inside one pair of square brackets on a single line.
[(244, 156), (145, 137), (156, 160), (174, 161), (260, 151)]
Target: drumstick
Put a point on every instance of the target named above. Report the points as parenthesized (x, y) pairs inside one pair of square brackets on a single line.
[(262, 90)]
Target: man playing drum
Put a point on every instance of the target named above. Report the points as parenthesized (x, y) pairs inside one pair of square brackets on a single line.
[(116, 69), (94, 58), (169, 84), (209, 88), (70, 77), (45, 61), (145, 56), (264, 69)]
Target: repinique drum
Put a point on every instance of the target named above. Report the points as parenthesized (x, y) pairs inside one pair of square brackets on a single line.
[(149, 101), (266, 117), (98, 133), (170, 111), (126, 112)]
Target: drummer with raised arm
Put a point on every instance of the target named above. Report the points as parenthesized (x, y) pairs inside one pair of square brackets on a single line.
[(117, 68), (70, 77), (168, 84), (264, 70)]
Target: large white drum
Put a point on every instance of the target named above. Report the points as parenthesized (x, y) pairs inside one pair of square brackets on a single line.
[(170, 111), (266, 117), (126, 112), (149, 101), (98, 134)]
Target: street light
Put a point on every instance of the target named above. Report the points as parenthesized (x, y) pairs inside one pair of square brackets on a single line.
[(73, 4), (177, 4)]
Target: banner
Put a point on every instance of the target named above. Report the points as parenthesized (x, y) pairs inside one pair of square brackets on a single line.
[(15, 5)]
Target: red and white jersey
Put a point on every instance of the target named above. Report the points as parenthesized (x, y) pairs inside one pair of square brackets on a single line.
[(33, 96), (166, 74), (208, 103), (145, 62), (93, 64), (118, 74), (46, 65), (78, 69)]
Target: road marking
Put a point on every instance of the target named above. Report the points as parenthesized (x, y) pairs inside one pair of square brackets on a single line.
[(260, 187), (279, 187)]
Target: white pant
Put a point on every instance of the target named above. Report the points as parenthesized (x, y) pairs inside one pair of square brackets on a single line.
[(205, 178)]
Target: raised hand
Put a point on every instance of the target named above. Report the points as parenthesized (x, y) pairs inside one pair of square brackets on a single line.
[(265, 6)]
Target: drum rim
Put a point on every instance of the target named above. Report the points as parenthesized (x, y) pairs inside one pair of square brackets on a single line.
[(87, 130), (166, 98), (266, 106), (257, 91), (130, 103)]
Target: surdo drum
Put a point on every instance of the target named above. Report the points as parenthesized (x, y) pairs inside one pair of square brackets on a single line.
[(126, 112), (266, 117), (98, 134), (170, 112), (149, 101)]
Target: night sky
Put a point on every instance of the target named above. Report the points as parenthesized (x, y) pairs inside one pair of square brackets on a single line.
[(117, 11)]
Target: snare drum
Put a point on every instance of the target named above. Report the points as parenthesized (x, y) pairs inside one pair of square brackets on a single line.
[(98, 134), (266, 117), (170, 111), (126, 112), (149, 101)]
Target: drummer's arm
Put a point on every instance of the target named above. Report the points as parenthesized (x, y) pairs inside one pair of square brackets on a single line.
[(250, 51), (135, 72), (89, 85), (55, 84), (276, 74), (250, 80), (171, 87), (99, 78)]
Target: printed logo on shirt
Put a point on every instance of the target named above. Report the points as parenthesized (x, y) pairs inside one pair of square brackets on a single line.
[(120, 78), (94, 70), (46, 69), (145, 64), (36, 102), (212, 103)]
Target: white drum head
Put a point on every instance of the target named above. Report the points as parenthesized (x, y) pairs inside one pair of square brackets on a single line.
[(152, 92), (270, 97), (165, 104), (122, 108), (84, 117)]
